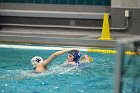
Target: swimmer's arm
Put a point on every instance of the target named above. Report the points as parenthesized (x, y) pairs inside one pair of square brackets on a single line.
[(54, 55)]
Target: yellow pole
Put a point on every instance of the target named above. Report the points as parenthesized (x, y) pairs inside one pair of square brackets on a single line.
[(105, 29)]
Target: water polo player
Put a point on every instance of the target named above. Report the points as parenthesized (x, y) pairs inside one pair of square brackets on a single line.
[(74, 58), (40, 65)]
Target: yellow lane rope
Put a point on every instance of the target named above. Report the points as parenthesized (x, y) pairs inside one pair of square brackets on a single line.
[(110, 51)]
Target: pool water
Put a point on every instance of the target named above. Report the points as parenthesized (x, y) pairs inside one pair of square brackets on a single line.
[(16, 74)]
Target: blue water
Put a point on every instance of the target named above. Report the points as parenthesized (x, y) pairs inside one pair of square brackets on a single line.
[(16, 74)]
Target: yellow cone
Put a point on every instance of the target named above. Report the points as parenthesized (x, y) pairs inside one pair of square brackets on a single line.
[(105, 29)]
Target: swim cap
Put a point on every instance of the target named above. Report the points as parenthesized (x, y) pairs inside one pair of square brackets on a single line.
[(76, 55), (36, 60)]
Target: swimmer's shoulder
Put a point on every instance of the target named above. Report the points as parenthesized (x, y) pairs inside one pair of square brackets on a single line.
[(40, 68)]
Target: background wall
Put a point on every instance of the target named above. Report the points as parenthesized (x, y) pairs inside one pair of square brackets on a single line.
[(66, 2), (118, 19), (57, 5), (98, 6), (125, 3), (115, 7)]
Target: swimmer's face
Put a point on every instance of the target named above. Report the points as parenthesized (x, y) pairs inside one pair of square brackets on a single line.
[(70, 57)]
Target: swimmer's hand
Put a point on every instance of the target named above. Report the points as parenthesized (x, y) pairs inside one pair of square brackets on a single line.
[(86, 58)]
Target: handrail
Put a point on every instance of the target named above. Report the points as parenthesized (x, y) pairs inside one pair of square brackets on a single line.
[(62, 26), (52, 14)]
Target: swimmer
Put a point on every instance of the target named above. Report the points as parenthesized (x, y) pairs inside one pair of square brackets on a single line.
[(74, 56), (40, 65)]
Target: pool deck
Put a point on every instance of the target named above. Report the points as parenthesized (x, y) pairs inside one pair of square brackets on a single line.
[(59, 36)]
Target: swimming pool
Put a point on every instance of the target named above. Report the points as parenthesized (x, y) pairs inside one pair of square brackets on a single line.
[(97, 77)]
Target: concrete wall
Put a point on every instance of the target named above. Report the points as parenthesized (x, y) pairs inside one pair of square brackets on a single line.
[(118, 19), (125, 3)]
